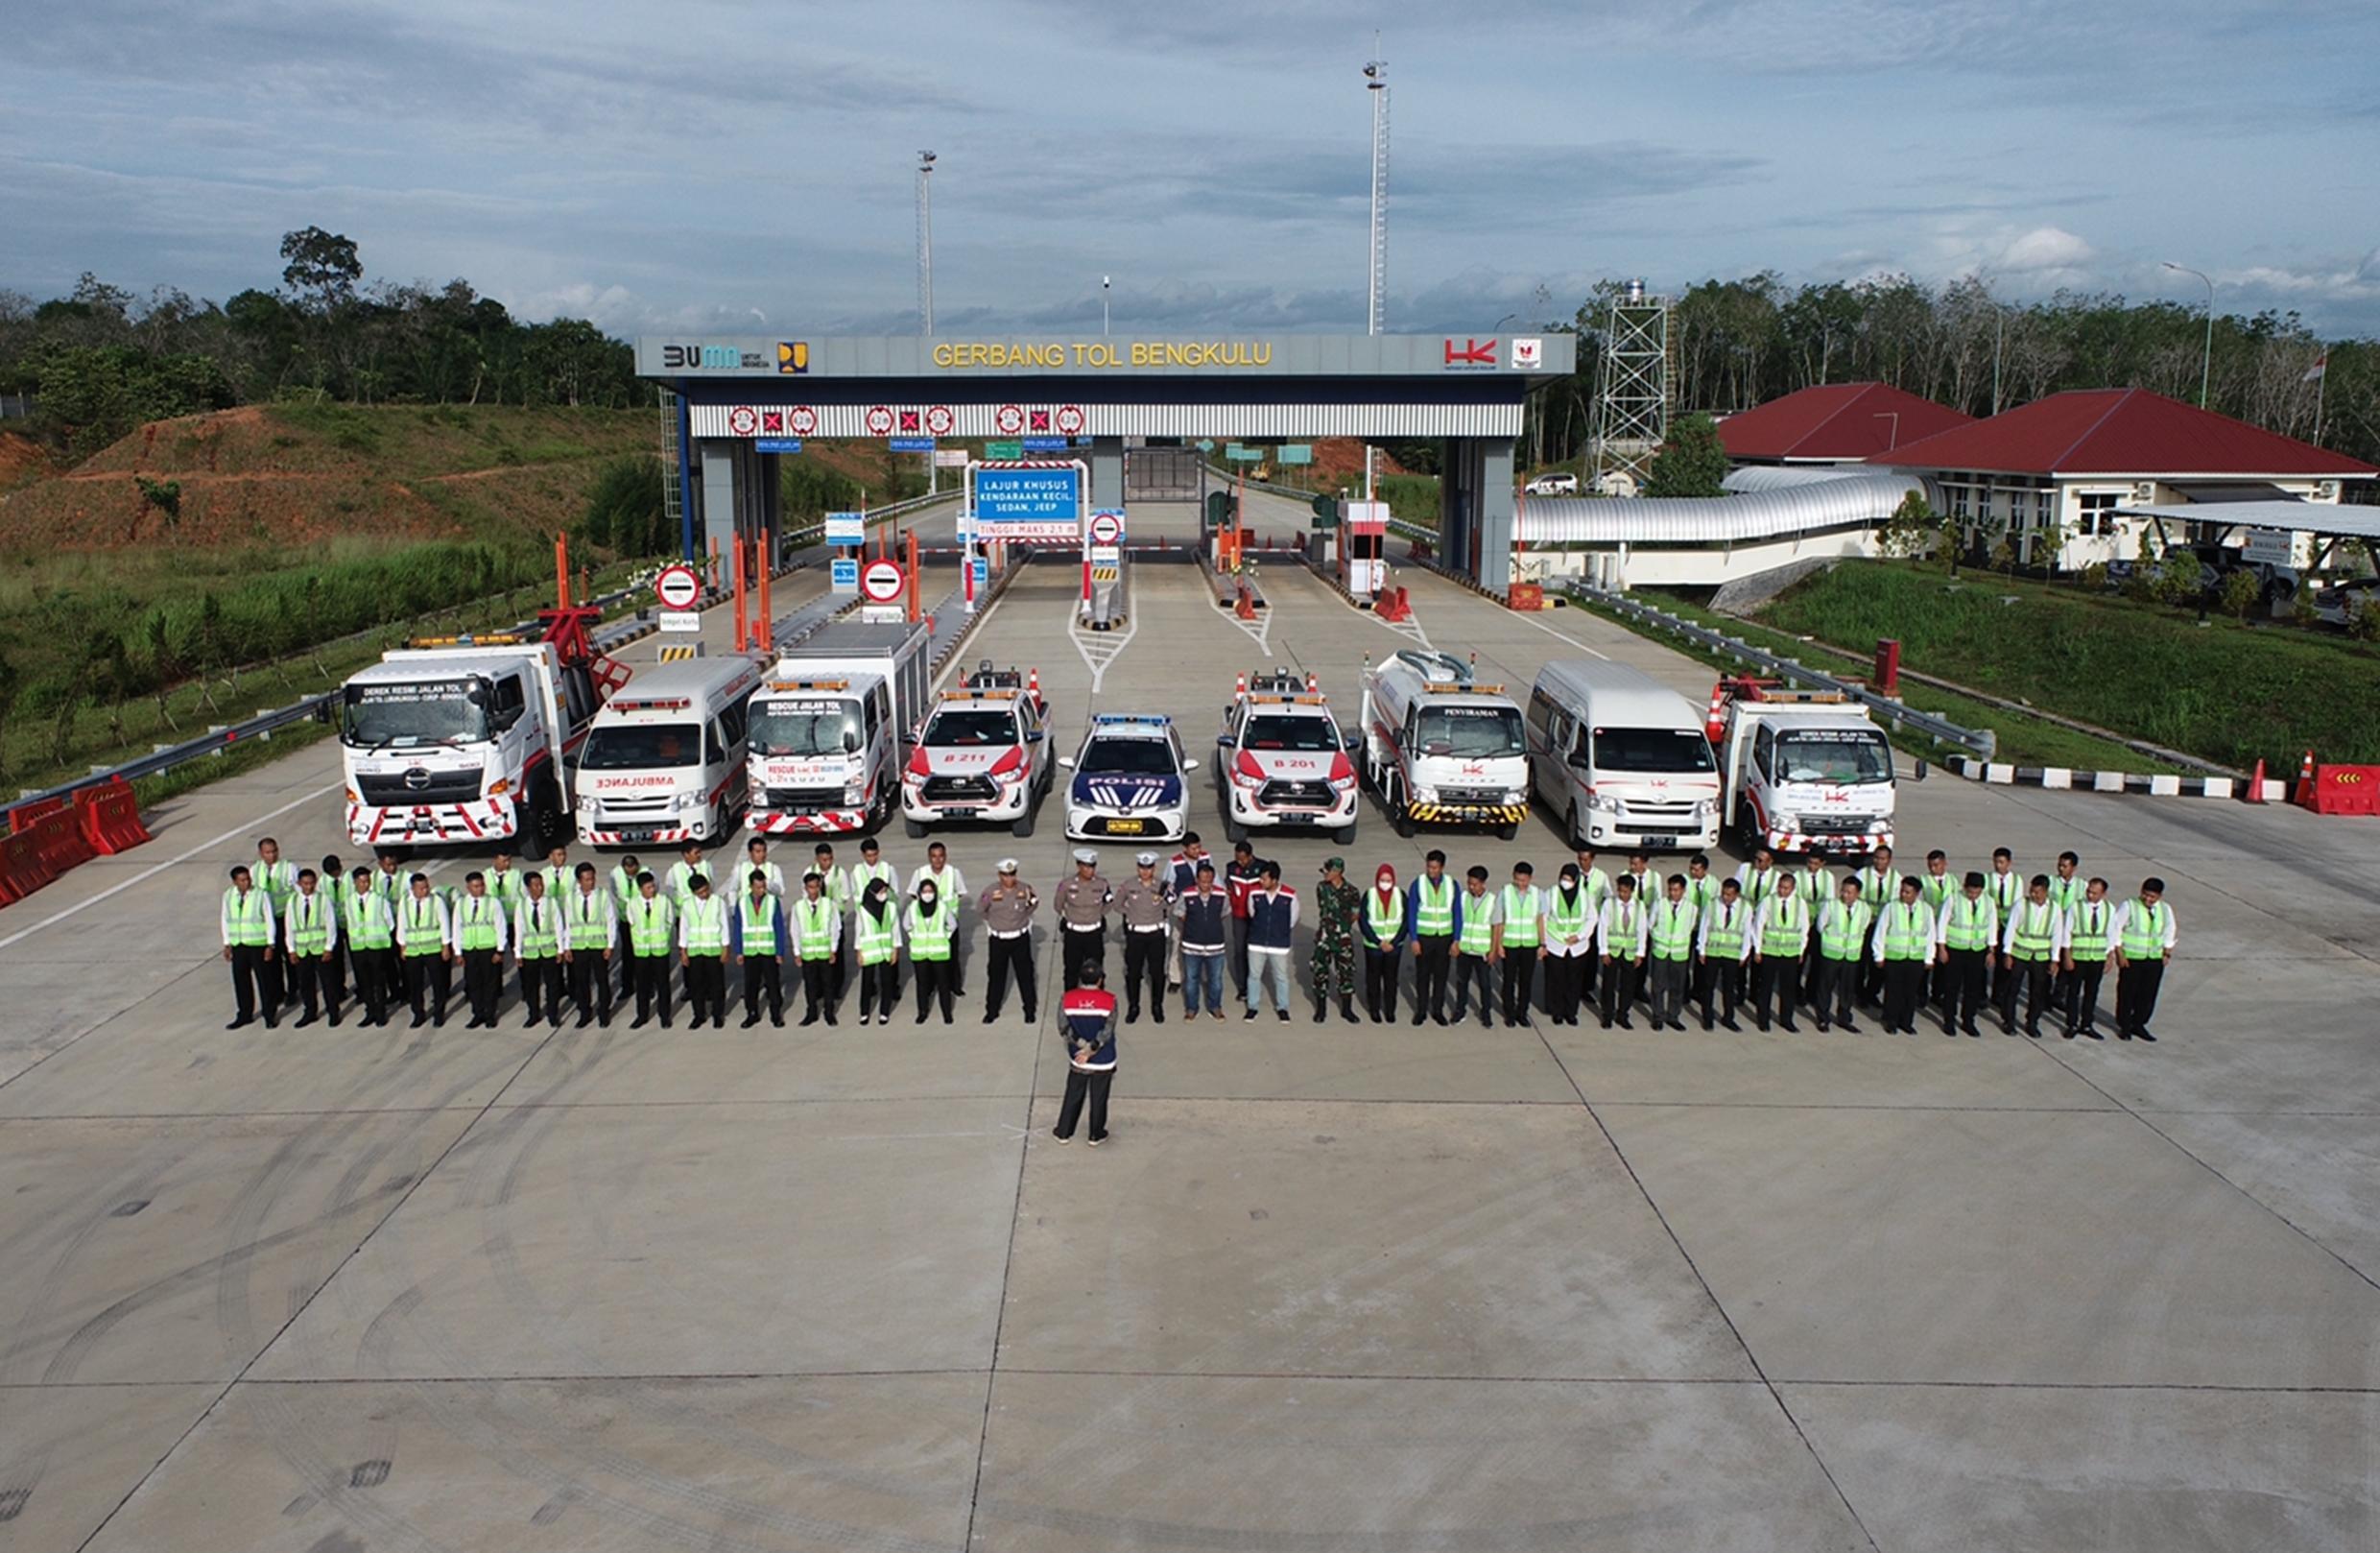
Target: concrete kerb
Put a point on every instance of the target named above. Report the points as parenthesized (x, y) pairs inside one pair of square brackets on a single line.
[(2145, 784)]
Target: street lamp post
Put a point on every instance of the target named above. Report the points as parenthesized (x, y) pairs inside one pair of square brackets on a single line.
[(925, 242), (2207, 356), (1103, 305), (1375, 320)]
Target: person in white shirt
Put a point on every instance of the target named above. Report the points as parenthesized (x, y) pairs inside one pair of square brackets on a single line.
[(1963, 936), (1625, 928), (2091, 943), (678, 883), (1723, 944), (478, 939), (425, 946), (872, 866), (757, 861), (2032, 942), (815, 929), (310, 936), (951, 885), (1572, 917), (1596, 882), (1780, 938), (839, 894), (249, 931), (2144, 941)]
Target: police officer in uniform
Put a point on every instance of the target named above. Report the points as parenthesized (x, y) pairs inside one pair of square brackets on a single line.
[(1081, 902), (1007, 907), (1148, 918)]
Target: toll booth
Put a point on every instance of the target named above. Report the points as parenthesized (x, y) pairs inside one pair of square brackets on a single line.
[(1364, 548)]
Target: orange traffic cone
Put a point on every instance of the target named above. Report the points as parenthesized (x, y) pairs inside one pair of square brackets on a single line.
[(2255, 782)]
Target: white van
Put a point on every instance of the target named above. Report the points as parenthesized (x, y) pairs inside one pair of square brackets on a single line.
[(1620, 760), (1552, 485), (664, 760)]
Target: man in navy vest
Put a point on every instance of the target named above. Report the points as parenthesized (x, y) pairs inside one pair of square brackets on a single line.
[(1087, 1022)]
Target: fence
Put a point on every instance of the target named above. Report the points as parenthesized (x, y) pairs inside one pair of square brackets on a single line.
[(16, 406)]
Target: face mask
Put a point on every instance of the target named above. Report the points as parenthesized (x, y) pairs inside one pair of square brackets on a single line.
[(925, 899)]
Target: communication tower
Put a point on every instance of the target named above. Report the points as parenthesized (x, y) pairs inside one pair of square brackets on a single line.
[(1631, 388)]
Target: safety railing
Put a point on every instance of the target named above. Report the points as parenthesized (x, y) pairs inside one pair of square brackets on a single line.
[(1982, 741)]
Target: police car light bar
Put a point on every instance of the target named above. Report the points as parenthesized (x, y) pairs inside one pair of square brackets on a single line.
[(501, 639), (1270, 699), (1156, 719), (1449, 687), (677, 704), (809, 685), (984, 693)]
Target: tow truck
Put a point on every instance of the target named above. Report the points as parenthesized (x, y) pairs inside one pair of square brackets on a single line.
[(1283, 759), (1804, 770), (984, 754)]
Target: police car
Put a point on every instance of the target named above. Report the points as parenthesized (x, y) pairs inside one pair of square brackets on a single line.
[(1281, 761), (1128, 779), (983, 754)]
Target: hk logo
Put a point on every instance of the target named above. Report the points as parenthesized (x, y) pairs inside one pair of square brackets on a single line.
[(1472, 354)]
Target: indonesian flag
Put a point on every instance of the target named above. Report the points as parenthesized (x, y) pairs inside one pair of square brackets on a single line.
[(2314, 374)]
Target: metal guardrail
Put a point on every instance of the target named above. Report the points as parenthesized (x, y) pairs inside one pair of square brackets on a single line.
[(1982, 741)]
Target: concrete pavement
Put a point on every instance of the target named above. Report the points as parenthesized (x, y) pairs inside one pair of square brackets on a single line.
[(1329, 1285)]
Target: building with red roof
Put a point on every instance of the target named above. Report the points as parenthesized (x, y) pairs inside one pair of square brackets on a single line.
[(2076, 462), (1834, 423)]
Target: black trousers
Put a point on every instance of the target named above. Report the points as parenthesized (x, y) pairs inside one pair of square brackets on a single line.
[(1239, 957), (542, 988), (818, 989), (1776, 982), (428, 982), (2029, 979), (483, 983), (1519, 982), (318, 980), (1004, 957), (1964, 995), (652, 985), (628, 961), (1430, 970), (763, 977), (1837, 998), (1904, 983), (336, 968), (938, 984), (706, 986), (1616, 988), (1380, 978), (1081, 1086), (1667, 979), (2136, 986), (590, 983), (1144, 960), (1079, 945), (880, 986), (1720, 981), (273, 984), (1469, 969), (247, 973), (1565, 982), (2083, 993), (373, 988)]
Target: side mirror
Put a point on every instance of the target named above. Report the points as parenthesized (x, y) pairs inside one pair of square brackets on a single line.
[(1066, 761), (1034, 735), (1190, 765), (850, 744), (1223, 741), (325, 711), (1918, 775)]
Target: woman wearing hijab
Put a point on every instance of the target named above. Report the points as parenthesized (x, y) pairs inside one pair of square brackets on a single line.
[(1384, 929), (1569, 945), (930, 921), (877, 929)]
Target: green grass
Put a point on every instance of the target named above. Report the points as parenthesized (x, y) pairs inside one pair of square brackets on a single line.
[(2224, 691), (2026, 741)]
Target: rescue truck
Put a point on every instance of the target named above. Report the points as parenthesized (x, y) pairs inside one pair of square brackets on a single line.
[(830, 727), (984, 754), (665, 762), (463, 738), (1283, 759), (1805, 769), (1443, 749)]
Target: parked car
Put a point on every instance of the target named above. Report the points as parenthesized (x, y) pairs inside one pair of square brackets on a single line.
[(1553, 485), (2339, 605)]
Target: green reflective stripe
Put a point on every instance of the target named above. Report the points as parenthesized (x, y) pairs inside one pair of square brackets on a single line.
[(1435, 914), (251, 917), (2144, 930), (367, 929), (421, 933), (1384, 924), (651, 924), (1620, 940), (479, 923), (540, 933), (2091, 931), (874, 937), (1726, 938), (310, 932), (1964, 929), (759, 925), (929, 931), (2032, 930), (1673, 930), (1478, 932), (706, 926), (1841, 932), (811, 920), (1787, 923), (1520, 918), (1907, 931), (588, 928)]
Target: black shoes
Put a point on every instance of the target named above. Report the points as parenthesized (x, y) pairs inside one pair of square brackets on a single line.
[(1281, 1014), (753, 1018), (1250, 1015), (641, 1020)]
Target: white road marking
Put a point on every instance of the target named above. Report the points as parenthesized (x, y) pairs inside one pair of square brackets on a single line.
[(155, 869), (1562, 635), (1099, 649), (1258, 631), (956, 659)]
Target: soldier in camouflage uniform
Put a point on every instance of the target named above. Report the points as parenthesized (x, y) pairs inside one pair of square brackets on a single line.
[(1336, 903)]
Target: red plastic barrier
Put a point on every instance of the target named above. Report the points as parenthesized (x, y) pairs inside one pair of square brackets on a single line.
[(25, 817), (110, 817), (1525, 596), (2342, 790), (57, 837), (21, 869)]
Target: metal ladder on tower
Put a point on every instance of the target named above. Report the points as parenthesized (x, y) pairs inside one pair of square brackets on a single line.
[(672, 507)]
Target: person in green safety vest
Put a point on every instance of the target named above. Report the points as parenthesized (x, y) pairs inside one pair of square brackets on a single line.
[(1902, 944), (1780, 935), (876, 944), (248, 935), (679, 882), (537, 942), (2005, 887), (561, 879), (2144, 943), (624, 891), (1382, 926), (335, 886), (1474, 946), (310, 935), (757, 939), (277, 878), (504, 881), (653, 932), (2032, 942), (817, 936), (368, 928), (1842, 934), (836, 886), (425, 947), (1433, 906), (1520, 934), (590, 939), (1880, 887), (1723, 946), (1963, 934), (1814, 884), (757, 861), (391, 885), (1571, 919), (481, 928), (1936, 889), (1596, 883), (2066, 887), (2091, 943), (1624, 931), (703, 933), (1669, 937), (931, 920)]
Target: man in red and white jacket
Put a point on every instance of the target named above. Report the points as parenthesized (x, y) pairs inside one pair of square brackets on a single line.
[(1239, 881), (1087, 1023)]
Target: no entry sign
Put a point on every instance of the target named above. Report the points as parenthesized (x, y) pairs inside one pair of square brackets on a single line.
[(678, 588), (1107, 528), (881, 581)]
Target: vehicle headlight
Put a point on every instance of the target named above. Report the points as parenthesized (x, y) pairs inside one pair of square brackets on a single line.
[(1517, 795), (1425, 794), (1603, 803), (586, 804), (855, 793)]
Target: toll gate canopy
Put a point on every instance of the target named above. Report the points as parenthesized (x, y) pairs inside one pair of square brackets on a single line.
[(745, 401)]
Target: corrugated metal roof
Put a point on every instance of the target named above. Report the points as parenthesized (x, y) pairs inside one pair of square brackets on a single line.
[(1250, 420), (1861, 500), (1836, 421), (2296, 516), (2127, 432)]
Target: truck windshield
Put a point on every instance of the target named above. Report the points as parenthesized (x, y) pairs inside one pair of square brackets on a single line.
[(405, 716), (963, 727), (1472, 733), (823, 727), (1650, 750), (1843, 759), (1130, 757), (641, 747), (1268, 730)]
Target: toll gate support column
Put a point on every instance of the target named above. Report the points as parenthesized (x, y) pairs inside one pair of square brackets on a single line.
[(769, 490), (723, 473), (1107, 472), (1496, 517)]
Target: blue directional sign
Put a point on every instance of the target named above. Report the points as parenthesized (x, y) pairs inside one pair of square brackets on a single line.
[(845, 575), (910, 444), (983, 572), (1044, 445), (776, 445), (1031, 496)]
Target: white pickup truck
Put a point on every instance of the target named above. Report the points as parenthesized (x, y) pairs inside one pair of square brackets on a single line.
[(1806, 771)]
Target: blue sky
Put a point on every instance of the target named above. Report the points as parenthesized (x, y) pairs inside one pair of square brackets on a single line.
[(703, 164)]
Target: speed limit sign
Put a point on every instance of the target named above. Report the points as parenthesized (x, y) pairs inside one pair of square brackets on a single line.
[(881, 581), (678, 588)]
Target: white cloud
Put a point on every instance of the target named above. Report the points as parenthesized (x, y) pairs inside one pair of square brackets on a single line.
[(2046, 248)]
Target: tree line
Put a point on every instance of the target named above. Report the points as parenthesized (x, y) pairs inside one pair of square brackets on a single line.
[(99, 361)]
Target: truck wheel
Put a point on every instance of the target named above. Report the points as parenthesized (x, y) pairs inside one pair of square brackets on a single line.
[(1233, 831), (1507, 832), (1571, 833), (1400, 818), (913, 828)]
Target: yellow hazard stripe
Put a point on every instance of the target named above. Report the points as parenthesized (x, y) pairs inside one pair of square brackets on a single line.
[(677, 654), (1463, 813)]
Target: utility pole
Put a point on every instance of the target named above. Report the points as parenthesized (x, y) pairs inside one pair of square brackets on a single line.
[(1103, 306), (1376, 87), (925, 242), (2206, 357)]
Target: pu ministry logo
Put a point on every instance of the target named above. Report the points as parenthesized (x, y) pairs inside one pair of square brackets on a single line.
[(793, 357)]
